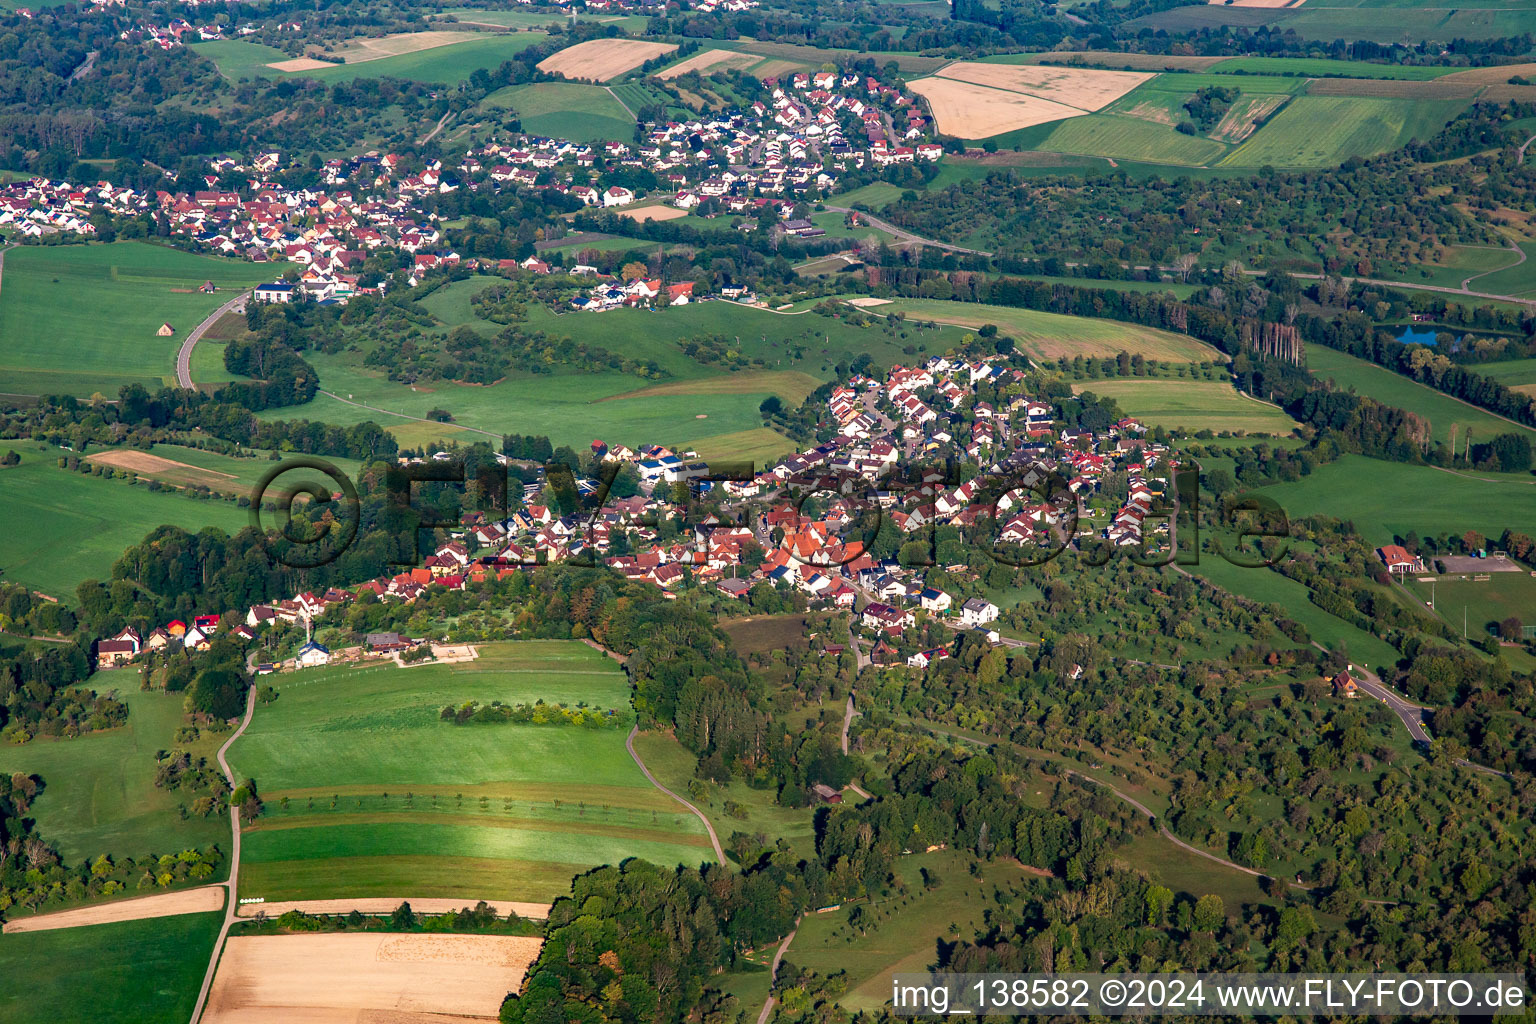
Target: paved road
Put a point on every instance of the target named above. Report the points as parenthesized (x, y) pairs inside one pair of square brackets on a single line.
[(85, 66), (184, 354), (714, 840), (903, 235), (230, 904), (773, 973)]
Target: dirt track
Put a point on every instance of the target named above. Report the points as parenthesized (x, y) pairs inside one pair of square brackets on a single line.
[(344, 979), (168, 904)]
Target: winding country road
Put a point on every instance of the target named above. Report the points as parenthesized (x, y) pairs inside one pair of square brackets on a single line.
[(848, 714), (773, 973), (714, 840), (902, 235), (184, 354), (230, 905)]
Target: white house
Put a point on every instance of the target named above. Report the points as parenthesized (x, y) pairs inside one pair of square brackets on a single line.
[(311, 655), (978, 611), (277, 291)]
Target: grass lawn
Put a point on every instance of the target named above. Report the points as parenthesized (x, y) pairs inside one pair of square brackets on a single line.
[(1485, 602), (355, 765), (1192, 405), (80, 319), (1387, 499), (582, 113), (874, 195), (66, 527), (904, 933), (100, 794), (1321, 131), (135, 972), (1442, 411), (574, 408), (241, 58), (1051, 335)]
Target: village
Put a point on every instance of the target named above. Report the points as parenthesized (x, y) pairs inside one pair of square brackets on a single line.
[(774, 156), (765, 531)]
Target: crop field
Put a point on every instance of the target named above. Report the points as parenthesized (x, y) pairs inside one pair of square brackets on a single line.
[(1128, 138), (975, 100), (1442, 411), (100, 795), (602, 60), (65, 527), (1192, 405), (356, 767), (317, 979), (1387, 500), (367, 48), (137, 972), (1318, 67), (81, 319), (450, 62), (584, 113), (1109, 59), (1051, 335), (793, 56), (570, 408), (1082, 88), (183, 466), (708, 61), (1319, 131)]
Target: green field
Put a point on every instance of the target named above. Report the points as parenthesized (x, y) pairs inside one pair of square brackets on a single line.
[(1321, 131), (354, 765), (1517, 279), (1388, 499), (1128, 138), (1192, 405), (1051, 335), (1517, 373), (1485, 602), (455, 62), (65, 527), (1442, 411), (525, 19), (100, 794), (574, 408), (224, 474), (81, 319), (1319, 67), (582, 113), (136, 972)]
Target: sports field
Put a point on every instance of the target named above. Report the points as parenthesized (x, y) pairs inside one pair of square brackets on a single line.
[(583, 113), (81, 319), (1484, 602), (368, 792), (1442, 411), (100, 795), (1051, 335), (63, 527), (137, 972), (1191, 405)]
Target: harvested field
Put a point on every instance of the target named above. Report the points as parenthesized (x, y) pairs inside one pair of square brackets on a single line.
[(602, 60), (1083, 88), (1505, 93), (229, 326), (300, 64), (711, 60), (1499, 75), (169, 904), (168, 470), (651, 211), (1150, 112), (362, 49), (387, 905), (345, 979), (775, 68), (867, 301), (1437, 89), (1133, 61), (977, 112), (1245, 117)]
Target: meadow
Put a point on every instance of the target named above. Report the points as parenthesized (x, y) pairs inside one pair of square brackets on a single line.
[(355, 766), (137, 972), (1387, 500), (81, 319), (699, 403), (1191, 405), (1115, 136), (1519, 374), (452, 63), (1320, 67), (100, 795), (1442, 411), (65, 527), (1051, 335), (1321, 131), (583, 113)]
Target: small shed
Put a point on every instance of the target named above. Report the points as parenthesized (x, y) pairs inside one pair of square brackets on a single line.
[(166, 330)]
